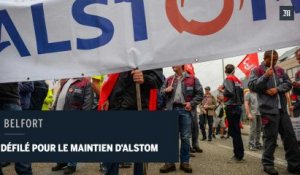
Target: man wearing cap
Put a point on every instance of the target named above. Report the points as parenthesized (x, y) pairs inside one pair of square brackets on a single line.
[(271, 83), (207, 113)]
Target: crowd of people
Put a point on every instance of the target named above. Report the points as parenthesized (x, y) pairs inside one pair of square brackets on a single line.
[(265, 103)]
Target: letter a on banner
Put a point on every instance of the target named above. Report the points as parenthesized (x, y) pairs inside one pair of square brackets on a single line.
[(8, 24)]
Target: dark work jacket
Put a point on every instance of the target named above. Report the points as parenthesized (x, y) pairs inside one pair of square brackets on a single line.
[(38, 95), (233, 91), (9, 93), (79, 96), (259, 83), (123, 95), (26, 88), (192, 91)]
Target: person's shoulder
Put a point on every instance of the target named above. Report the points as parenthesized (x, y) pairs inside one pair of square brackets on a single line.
[(230, 78), (279, 70), (258, 70), (297, 74), (98, 77), (170, 77), (82, 82)]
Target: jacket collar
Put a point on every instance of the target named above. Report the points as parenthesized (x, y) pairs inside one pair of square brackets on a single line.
[(184, 75), (263, 65)]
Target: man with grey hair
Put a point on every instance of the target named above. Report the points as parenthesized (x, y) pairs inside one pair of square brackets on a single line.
[(252, 111)]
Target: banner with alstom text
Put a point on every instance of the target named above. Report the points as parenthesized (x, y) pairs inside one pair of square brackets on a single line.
[(53, 39)]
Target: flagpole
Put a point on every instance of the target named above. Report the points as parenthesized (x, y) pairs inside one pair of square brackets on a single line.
[(274, 77), (223, 69), (139, 108), (289, 102), (272, 62), (138, 97)]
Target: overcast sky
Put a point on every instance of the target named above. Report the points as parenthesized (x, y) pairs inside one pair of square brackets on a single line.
[(210, 73)]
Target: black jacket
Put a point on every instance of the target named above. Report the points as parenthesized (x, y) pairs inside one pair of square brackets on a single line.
[(9, 93), (123, 95), (38, 95)]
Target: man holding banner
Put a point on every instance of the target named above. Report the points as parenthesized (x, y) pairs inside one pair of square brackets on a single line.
[(271, 83), (121, 95)]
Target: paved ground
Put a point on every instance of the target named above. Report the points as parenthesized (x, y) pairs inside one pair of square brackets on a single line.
[(213, 161)]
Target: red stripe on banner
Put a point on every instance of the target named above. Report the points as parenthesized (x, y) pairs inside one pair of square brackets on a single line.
[(153, 100)]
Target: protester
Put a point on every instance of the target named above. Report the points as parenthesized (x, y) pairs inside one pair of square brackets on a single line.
[(207, 113), (252, 111), (195, 148), (74, 94), (25, 90), (10, 101), (270, 82), (123, 97), (233, 98), (296, 89), (38, 95), (182, 93), (219, 117)]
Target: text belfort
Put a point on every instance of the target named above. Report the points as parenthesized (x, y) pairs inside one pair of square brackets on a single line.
[(22, 123)]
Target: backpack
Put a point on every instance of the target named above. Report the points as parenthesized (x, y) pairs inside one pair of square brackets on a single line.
[(239, 94), (221, 113)]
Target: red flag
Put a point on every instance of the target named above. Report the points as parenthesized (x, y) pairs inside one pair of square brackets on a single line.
[(189, 68), (248, 63), (106, 89)]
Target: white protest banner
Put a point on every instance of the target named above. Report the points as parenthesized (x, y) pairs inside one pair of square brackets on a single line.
[(47, 39)]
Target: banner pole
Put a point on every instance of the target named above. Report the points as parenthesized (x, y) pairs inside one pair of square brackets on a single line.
[(139, 108)]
